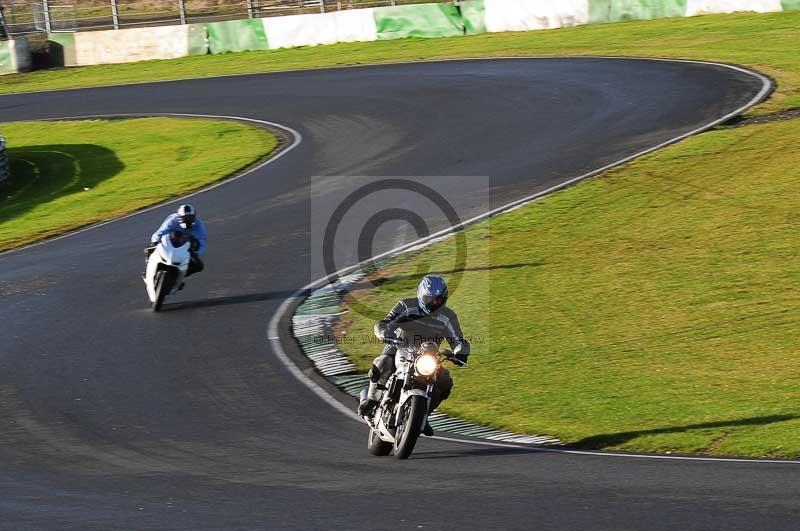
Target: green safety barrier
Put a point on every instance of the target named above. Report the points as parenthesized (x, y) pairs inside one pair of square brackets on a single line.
[(618, 10), (415, 20), (473, 13), (197, 40), (6, 65), (15, 56), (420, 20), (237, 36)]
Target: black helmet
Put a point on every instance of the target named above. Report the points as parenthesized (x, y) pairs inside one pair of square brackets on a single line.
[(186, 216), (431, 293)]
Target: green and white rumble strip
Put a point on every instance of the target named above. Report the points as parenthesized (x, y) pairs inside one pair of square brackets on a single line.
[(313, 325), (466, 17)]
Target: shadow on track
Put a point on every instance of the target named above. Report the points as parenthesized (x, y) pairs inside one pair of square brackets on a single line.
[(272, 295), (480, 452), (597, 442), (45, 173), (230, 300)]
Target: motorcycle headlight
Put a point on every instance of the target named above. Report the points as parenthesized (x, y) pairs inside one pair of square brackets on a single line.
[(426, 365)]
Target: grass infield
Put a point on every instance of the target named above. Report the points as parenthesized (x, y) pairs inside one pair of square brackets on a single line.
[(67, 174), (653, 308)]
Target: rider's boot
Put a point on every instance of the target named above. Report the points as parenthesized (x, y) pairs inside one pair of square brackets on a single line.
[(370, 398), (436, 400)]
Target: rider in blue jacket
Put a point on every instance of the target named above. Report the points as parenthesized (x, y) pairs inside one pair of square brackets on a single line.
[(185, 221)]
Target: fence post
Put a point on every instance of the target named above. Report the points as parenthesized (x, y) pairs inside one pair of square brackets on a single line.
[(48, 26), (115, 14), (250, 9), (321, 6), (182, 9)]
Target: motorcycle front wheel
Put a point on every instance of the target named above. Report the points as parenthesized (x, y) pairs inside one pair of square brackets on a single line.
[(414, 411), (164, 281), (378, 446)]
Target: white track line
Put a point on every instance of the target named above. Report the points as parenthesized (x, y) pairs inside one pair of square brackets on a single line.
[(274, 329), (297, 139)]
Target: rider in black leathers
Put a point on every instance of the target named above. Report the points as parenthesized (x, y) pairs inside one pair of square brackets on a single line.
[(416, 321)]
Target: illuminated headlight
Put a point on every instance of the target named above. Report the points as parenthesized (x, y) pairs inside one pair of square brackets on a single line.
[(426, 365)]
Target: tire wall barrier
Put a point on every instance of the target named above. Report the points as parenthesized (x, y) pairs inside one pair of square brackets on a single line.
[(15, 56), (5, 169), (468, 17)]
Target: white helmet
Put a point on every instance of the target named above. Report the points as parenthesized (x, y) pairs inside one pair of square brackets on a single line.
[(186, 216)]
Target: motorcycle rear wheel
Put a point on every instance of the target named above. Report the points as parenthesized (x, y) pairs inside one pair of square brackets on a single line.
[(378, 446), (414, 411)]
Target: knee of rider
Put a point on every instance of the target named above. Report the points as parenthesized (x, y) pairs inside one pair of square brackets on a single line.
[(384, 363), (445, 384), (373, 393)]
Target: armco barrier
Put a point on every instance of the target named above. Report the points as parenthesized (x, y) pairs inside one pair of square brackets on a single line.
[(5, 170), (15, 56), (468, 17)]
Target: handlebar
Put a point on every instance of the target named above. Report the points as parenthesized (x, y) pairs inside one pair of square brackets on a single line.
[(448, 354), (457, 362), (395, 342)]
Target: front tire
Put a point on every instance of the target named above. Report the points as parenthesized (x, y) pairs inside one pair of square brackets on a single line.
[(164, 281), (414, 411), (378, 446)]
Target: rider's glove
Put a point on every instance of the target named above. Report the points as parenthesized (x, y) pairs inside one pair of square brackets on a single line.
[(388, 333), (461, 358)]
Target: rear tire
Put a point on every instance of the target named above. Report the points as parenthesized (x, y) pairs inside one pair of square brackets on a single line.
[(415, 410), (378, 446), (164, 282)]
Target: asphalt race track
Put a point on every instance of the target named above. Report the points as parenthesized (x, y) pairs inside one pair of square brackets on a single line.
[(112, 417)]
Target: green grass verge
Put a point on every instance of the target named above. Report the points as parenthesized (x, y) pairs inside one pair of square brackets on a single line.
[(654, 308), (768, 42), (68, 174)]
